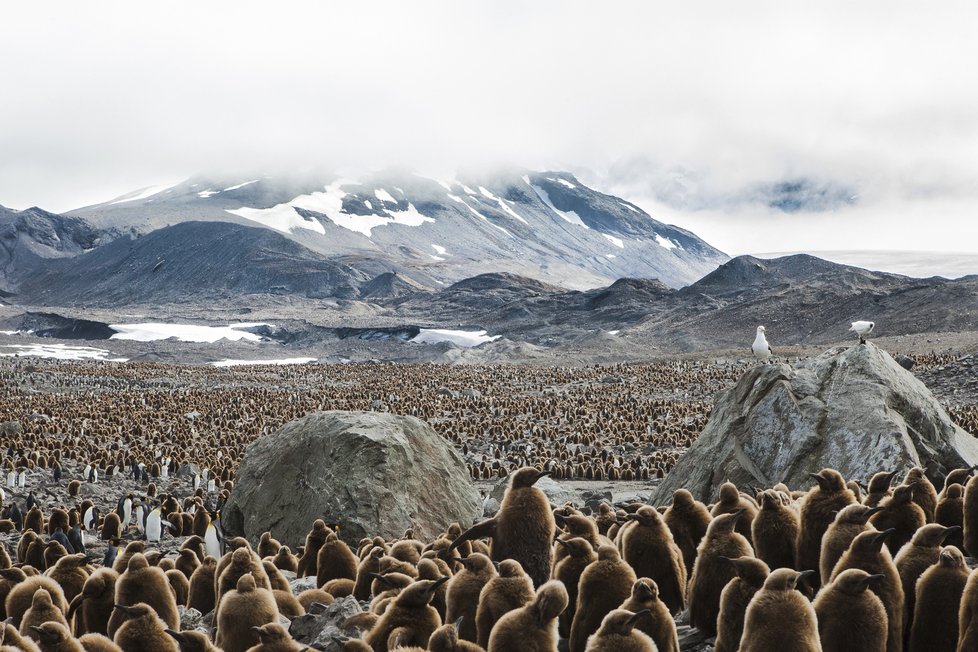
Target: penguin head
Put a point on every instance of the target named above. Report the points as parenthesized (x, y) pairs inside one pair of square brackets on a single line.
[(527, 477), (645, 590), (829, 480), (620, 622), (750, 569), (272, 634), (51, 633), (785, 579), (550, 601), (511, 568), (577, 547), (856, 514), (951, 557), (855, 580), (646, 516), (246, 583), (725, 523), (140, 610), (870, 542), (903, 494)]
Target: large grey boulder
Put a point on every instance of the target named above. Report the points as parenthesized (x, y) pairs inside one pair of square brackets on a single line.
[(853, 409), (373, 473)]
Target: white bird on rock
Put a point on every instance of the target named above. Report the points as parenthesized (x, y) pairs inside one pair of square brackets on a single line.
[(862, 329), (762, 350)]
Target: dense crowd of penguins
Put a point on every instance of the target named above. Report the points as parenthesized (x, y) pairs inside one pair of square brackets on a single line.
[(842, 566), (617, 422)]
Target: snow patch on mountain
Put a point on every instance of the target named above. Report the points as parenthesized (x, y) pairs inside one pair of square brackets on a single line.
[(151, 332), (618, 242), (568, 216), (242, 185), (465, 339), (142, 193), (502, 204), (284, 218), (665, 242)]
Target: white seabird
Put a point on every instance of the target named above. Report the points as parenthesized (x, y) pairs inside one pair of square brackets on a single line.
[(762, 350), (862, 329)]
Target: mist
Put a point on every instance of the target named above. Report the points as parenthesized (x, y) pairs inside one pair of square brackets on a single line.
[(695, 112)]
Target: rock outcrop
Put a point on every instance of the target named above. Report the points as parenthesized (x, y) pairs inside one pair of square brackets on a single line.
[(372, 473), (853, 409)]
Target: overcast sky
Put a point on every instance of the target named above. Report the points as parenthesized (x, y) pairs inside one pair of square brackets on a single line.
[(697, 111)]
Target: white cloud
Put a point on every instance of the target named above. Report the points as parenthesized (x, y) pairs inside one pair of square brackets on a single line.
[(876, 95)]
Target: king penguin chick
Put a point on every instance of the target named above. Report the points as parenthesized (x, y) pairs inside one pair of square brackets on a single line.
[(464, 589), (335, 560), (850, 615), (849, 522), (242, 608), (53, 636), (142, 583), (711, 572), (202, 585), (968, 616), (774, 532), (523, 528), (42, 610), (274, 637), (648, 547), (310, 552), (92, 608), (922, 552), (867, 552), (658, 622), (730, 500), (580, 555), (410, 614), (687, 519), (604, 585), (878, 488), (532, 628), (93, 642), (510, 590), (192, 641), (818, 510), (970, 516), (445, 639), (617, 633), (736, 595), (900, 513), (141, 629), (924, 493), (938, 603), (779, 617), (950, 513)]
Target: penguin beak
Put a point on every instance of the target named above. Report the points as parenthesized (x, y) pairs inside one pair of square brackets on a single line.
[(949, 531), (873, 510), (458, 622), (637, 615), (804, 575), (873, 580), (881, 538), (434, 585), (175, 634), (561, 542)]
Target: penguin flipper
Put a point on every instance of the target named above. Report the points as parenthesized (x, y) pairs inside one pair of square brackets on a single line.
[(486, 528)]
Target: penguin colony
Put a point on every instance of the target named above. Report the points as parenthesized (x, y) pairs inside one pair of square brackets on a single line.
[(759, 570), (535, 576), (617, 422)]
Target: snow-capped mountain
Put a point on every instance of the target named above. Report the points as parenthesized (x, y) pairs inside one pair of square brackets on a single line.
[(545, 225)]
